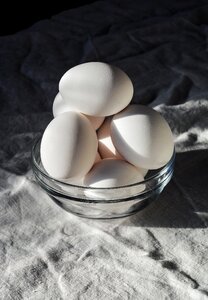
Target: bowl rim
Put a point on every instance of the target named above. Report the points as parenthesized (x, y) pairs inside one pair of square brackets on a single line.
[(159, 173)]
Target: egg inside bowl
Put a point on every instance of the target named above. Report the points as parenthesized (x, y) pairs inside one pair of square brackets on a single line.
[(102, 203)]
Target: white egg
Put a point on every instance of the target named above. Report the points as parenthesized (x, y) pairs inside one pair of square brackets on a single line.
[(95, 121), (74, 181), (80, 181), (96, 89), (60, 106), (97, 158), (105, 145), (142, 136), (112, 173), (68, 146), (143, 171)]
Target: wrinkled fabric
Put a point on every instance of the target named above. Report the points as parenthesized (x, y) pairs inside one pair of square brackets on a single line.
[(159, 253)]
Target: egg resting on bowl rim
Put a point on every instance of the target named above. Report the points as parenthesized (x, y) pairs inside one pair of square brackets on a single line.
[(142, 136), (68, 146)]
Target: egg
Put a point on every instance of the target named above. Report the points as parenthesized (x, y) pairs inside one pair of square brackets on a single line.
[(60, 106), (74, 181), (97, 158), (143, 171), (105, 145), (96, 89), (68, 146), (95, 121), (109, 173), (79, 180), (142, 136)]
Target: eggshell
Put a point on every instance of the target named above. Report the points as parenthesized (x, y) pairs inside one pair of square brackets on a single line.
[(60, 106), (143, 171), (74, 181), (105, 145), (142, 137), (96, 89), (95, 121), (97, 158), (112, 173), (68, 146)]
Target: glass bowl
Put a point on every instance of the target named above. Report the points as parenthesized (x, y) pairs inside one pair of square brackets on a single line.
[(102, 203)]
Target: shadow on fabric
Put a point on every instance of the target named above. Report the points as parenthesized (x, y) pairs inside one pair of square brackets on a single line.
[(184, 202)]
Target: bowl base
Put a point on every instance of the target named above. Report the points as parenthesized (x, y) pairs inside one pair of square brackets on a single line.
[(105, 214)]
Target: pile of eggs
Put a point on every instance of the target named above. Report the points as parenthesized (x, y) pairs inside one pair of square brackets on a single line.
[(97, 138)]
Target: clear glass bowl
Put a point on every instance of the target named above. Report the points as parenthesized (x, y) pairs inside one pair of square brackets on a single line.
[(102, 203)]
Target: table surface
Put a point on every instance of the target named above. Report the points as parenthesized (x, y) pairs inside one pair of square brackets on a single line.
[(160, 253)]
